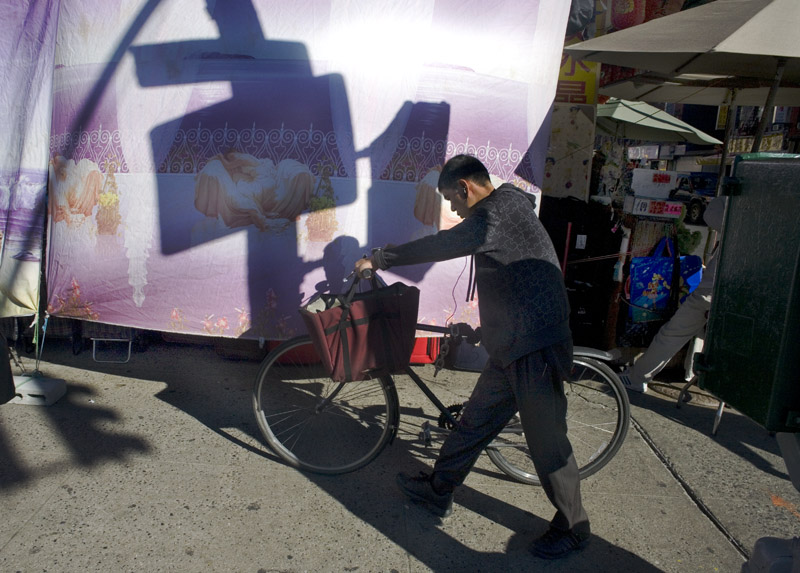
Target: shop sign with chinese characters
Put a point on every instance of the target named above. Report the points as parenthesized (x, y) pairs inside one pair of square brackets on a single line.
[(645, 207), (653, 184), (577, 82)]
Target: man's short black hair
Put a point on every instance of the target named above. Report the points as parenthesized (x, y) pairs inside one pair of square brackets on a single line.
[(463, 167)]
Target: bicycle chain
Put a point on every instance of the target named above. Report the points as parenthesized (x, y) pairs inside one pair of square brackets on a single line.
[(444, 348)]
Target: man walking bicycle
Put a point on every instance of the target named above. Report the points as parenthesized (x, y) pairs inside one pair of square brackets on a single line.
[(524, 316)]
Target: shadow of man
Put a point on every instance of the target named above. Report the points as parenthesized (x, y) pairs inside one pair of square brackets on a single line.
[(411, 150), (271, 161)]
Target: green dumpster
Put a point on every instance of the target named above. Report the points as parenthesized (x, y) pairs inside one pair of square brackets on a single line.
[(751, 357)]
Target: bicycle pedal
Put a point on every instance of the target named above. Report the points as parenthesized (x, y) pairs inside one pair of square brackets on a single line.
[(425, 435)]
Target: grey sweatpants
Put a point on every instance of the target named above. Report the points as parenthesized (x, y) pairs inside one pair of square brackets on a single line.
[(688, 321), (534, 386)]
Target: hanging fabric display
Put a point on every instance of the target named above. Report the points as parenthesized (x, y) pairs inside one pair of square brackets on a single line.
[(211, 165)]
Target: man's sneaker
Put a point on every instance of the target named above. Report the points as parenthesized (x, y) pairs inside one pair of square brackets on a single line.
[(421, 489), (557, 543), (631, 385)]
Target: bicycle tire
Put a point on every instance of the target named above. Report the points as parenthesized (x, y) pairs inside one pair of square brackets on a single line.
[(318, 425), (598, 417)]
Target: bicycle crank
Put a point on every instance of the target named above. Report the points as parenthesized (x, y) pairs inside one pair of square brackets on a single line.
[(455, 412)]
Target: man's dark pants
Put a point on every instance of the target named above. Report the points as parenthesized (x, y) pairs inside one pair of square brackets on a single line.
[(532, 385)]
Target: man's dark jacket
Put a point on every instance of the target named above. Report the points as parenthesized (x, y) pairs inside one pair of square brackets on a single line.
[(521, 296)]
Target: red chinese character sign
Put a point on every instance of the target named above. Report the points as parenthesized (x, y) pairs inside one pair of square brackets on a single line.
[(214, 164)]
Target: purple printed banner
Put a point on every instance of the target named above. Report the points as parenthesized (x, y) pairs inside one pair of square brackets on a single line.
[(215, 164), (27, 43)]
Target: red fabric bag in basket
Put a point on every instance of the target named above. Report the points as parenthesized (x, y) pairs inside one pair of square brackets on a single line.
[(363, 335)]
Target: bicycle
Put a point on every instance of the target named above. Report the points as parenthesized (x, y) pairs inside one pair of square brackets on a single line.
[(325, 427)]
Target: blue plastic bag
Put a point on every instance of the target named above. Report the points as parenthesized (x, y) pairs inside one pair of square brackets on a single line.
[(652, 282)]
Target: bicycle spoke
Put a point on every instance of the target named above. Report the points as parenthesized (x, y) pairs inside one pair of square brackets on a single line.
[(275, 422), (597, 418), (508, 445), (608, 427), (316, 424), (292, 434), (362, 393)]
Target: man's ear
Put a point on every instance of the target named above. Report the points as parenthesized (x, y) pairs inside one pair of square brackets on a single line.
[(462, 188)]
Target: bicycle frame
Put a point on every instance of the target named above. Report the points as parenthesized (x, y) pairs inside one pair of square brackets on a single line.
[(582, 351), (596, 390), (424, 387)]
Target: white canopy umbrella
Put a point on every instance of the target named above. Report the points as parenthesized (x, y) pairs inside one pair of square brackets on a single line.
[(639, 120), (729, 44), (725, 38)]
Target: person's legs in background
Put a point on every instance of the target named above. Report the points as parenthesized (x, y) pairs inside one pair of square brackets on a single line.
[(695, 347), (688, 321), (7, 388)]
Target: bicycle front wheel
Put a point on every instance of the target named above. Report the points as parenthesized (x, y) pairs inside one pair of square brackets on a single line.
[(315, 424), (598, 416)]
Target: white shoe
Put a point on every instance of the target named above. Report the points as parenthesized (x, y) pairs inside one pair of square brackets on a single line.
[(631, 385)]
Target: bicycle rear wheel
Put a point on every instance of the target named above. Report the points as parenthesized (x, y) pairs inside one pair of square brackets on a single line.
[(318, 425), (598, 416)]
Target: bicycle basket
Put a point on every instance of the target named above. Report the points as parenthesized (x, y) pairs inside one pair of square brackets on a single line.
[(363, 335)]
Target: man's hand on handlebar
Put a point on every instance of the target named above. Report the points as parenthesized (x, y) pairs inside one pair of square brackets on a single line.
[(472, 336), (364, 267)]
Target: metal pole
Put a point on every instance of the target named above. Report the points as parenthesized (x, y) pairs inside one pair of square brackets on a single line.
[(723, 157), (711, 237), (767, 111)]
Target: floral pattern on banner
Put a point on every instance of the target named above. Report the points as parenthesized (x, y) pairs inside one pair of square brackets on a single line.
[(193, 148), (215, 326), (243, 323), (176, 319), (95, 145), (108, 217), (71, 304), (502, 162), (218, 326)]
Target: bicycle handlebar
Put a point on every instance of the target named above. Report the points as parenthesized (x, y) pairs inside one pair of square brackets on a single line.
[(460, 330)]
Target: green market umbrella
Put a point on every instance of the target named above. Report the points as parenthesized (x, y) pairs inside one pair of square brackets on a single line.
[(638, 120)]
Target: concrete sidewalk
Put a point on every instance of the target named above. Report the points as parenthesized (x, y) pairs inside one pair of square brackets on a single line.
[(158, 465)]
